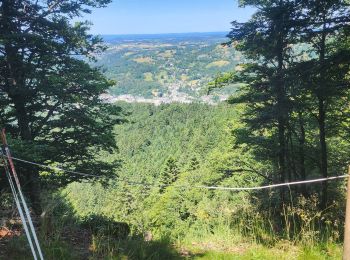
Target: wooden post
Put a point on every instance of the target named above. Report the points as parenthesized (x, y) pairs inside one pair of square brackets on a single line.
[(346, 252)]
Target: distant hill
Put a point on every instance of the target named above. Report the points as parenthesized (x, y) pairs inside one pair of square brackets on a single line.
[(164, 68)]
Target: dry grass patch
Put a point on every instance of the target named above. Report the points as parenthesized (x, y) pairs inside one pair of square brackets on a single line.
[(128, 53), (167, 54), (143, 60), (218, 63), (148, 76)]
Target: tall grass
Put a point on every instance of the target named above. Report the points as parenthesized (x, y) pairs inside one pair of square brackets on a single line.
[(298, 230)]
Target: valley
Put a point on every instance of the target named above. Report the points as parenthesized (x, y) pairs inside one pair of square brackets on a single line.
[(167, 68)]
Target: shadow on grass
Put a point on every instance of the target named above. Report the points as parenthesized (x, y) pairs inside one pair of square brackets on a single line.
[(62, 235), (101, 247), (133, 248)]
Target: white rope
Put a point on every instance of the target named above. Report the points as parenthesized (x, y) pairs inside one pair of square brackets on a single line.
[(273, 185), (25, 206), (193, 186), (26, 210), (56, 168)]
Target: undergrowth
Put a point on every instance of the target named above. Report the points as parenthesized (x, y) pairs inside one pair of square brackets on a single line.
[(300, 231)]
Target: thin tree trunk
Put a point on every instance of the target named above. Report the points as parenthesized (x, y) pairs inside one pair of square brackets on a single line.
[(289, 151), (282, 150), (302, 153), (323, 147), (322, 119), (281, 120)]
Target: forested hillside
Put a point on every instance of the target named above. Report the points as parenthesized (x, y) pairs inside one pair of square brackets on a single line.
[(168, 150), (171, 145)]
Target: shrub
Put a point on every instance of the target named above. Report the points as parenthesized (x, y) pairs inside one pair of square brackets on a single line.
[(100, 225)]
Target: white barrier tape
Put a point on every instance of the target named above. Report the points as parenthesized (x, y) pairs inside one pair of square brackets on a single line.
[(195, 186)]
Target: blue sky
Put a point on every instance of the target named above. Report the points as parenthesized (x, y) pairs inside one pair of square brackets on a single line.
[(166, 16)]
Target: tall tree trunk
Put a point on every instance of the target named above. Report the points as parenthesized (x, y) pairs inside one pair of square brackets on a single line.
[(322, 118), (323, 147), (282, 150), (281, 119), (291, 156), (31, 175)]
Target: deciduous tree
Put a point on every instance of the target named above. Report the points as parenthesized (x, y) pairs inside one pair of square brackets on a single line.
[(49, 95)]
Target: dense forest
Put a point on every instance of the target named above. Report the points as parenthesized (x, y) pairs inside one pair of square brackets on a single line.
[(136, 181)]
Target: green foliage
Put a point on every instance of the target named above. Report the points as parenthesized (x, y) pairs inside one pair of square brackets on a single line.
[(165, 147), (287, 123), (175, 139), (172, 145), (49, 96), (170, 173), (100, 225), (295, 76)]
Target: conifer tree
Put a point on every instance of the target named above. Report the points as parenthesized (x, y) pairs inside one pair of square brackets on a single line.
[(265, 40), (170, 173), (298, 71), (324, 74)]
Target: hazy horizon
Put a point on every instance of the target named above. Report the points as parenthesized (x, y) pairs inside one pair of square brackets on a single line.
[(131, 17), (194, 32)]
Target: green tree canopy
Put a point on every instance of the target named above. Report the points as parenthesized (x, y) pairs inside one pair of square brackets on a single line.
[(295, 81), (49, 95)]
